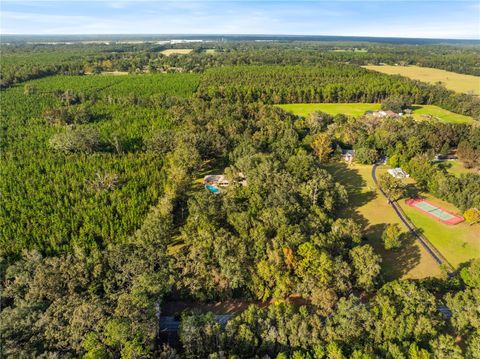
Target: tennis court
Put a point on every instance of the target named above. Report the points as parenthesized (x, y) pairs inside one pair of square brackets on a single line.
[(436, 212)]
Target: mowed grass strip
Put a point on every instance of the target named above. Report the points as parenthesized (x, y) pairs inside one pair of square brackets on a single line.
[(349, 109), (370, 209), (420, 112), (456, 82), (458, 243), (169, 52)]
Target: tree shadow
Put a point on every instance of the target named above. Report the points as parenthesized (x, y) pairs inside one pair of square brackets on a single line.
[(444, 165), (346, 175), (354, 183), (412, 191), (396, 263)]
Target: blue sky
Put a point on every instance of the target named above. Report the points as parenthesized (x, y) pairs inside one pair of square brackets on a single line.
[(429, 19)]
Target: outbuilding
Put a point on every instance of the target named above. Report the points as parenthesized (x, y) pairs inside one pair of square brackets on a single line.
[(398, 173)]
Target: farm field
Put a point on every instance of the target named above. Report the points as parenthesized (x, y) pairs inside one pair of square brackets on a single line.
[(169, 52), (420, 112), (371, 210), (459, 243), (350, 50), (452, 81)]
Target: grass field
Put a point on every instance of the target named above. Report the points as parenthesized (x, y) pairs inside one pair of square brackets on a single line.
[(115, 73), (420, 112), (458, 243), (452, 81), (210, 51), (349, 109), (456, 168), (169, 52), (350, 50), (369, 208)]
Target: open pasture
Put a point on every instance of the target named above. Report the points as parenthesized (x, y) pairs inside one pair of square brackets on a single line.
[(453, 81), (169, 52), (349, 109), (420, 112)]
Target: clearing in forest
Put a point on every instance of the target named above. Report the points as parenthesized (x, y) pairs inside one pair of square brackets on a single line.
[(350, 50), (169, 52), (371, 210), (453, 81), (456, 168), (349, 109), (423, 112), (420, 112)]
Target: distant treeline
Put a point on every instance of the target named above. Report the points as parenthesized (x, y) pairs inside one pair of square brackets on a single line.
[(21, 62), (327, 83)]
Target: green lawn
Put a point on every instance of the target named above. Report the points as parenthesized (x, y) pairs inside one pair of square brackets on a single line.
[(420, 112), (371, 210), (452, 81), (349, 109), (458, 243), (456, 168)]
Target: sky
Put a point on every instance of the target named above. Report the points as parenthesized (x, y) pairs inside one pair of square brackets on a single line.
[(409, 18)]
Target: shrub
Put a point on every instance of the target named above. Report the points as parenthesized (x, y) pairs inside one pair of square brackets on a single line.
[(76, 140)]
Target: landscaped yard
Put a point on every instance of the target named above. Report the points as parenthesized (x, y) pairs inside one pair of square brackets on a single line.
[(451, 80), (369, 208), (420, 112), (169, 52), (458, 243)]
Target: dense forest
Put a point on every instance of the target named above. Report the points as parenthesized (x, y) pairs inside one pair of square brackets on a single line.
[(104, 216), (17, 63), (326, 83)]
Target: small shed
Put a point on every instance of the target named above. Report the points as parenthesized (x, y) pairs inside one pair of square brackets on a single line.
[(398, 173)]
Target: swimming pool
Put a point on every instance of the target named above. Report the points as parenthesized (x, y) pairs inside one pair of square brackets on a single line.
[(212, 189)]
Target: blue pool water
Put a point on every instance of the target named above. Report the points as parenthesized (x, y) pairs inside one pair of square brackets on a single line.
[(212, 189)]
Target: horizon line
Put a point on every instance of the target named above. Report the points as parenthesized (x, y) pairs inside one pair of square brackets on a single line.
[(240, 34)]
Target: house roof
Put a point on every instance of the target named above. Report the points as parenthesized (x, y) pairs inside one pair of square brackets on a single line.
[(348, 152)]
